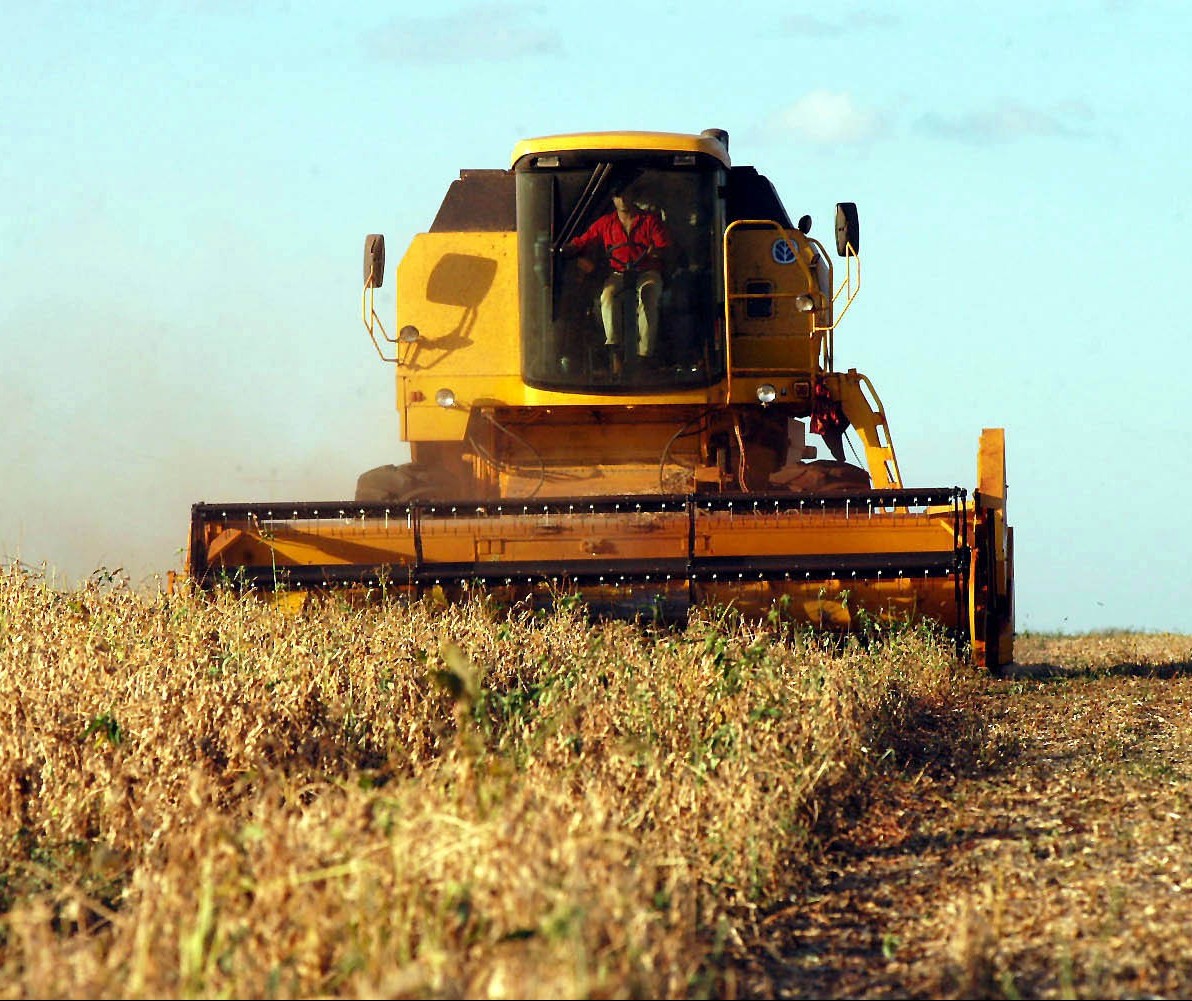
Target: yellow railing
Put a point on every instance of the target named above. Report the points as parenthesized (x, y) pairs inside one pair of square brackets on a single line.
[(852, 263), (823, 331), (372, 322)]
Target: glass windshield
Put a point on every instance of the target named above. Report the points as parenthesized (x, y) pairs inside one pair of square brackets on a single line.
[(620, 275)]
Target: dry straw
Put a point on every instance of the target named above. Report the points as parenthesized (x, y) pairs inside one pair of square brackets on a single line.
[(206, 797)]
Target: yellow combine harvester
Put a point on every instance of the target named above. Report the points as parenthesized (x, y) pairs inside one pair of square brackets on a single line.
[(613, 362)]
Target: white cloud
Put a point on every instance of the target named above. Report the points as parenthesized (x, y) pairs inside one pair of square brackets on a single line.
[(839, 24), (487, 32), (1006, 121), (828, 118)]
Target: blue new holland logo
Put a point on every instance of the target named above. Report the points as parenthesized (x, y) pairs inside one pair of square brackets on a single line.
[(783, 251)]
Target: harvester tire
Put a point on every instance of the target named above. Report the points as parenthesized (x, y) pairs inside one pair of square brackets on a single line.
[(822, 476), (409, 481)]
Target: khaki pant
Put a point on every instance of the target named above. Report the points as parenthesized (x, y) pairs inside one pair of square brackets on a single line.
[(649, 292)]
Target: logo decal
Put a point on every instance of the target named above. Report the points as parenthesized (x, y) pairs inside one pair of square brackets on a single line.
[(783, 252)]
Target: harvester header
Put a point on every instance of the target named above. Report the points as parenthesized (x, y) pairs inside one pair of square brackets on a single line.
[(614, 369)]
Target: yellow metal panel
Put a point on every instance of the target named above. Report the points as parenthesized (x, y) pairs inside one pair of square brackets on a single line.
[(650, 397), (465, 535), (504, 534), (645, 141), (865, 412), (780, 352), (749, 535), (428, 422), (750, 253), (460, 291), (997, 648), (991, 468)]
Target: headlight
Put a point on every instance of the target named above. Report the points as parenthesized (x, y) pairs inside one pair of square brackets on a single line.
[(804, 303), (445, 398), (766, 394), (408, 334)]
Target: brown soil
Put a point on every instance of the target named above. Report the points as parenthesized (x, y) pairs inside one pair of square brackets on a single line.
[(1049, 857)]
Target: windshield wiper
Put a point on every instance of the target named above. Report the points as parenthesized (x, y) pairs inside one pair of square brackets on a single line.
[(591, 190)]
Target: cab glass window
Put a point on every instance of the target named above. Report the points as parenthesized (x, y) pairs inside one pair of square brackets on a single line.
[(620, 276)]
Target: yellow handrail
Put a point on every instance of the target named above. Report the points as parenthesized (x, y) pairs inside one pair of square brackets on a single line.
[(851, 257), (825, 351), (368, 314)]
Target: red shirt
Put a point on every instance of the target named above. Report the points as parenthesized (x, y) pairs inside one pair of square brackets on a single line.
[(639, 247)]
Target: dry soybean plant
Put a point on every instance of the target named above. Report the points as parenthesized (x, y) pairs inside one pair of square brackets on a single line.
[(205, 796)]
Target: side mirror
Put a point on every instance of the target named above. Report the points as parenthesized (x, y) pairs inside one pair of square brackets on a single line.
[(374, 260), (805, 225), (848, 229)]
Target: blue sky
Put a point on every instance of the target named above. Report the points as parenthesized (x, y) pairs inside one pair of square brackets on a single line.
[(185, 188)]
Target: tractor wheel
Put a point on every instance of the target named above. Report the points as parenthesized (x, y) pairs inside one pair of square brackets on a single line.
[(822, 476), (409, 481)]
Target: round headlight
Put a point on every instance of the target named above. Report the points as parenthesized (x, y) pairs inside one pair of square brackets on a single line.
[(445, 398), (766, 394), (804, 303), (408, 334)]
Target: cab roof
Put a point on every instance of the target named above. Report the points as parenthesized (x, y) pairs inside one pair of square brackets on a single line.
[(711, 142)]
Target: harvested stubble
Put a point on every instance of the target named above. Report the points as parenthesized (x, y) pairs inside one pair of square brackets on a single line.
[(207, 797)]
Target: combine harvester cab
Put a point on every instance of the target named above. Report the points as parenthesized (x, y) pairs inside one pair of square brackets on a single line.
[(614, 371)]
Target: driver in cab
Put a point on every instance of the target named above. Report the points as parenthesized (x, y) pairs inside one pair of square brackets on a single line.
[(633, 242)]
